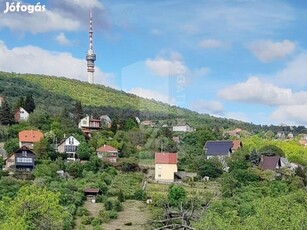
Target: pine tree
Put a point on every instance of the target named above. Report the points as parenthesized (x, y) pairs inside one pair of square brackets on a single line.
[(6, 115), (20, 103), (29, 104), (78, 111)]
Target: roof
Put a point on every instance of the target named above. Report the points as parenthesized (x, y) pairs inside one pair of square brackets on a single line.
[(165, 158), (107, 148), (24, 147), (91, 190), (236, 144), (218, 148), (30, 136), (269, 162)]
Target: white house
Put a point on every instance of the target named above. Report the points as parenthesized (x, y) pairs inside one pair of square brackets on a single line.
[(69, 146), (165, 167), (21, 115), (183, 128)]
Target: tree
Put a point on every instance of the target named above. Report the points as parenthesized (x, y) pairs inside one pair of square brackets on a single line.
[(29, 104), (20, 103), (34, 208), (84, 151), (211, 168), (176, 195), (271, 150), (254, 158), (6, 115), (78, 111), (11, 145)]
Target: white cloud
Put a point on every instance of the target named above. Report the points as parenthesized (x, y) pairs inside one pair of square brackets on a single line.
[(240, 116), (267, 51), (212, 107), (292, 115), (295, 71), (62, 15), (152, 94), (32, 59), (256, 91), (62, 40), (167, 67), (210, 43)]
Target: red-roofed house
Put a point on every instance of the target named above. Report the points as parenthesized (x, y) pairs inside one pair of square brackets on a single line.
[(107, 152), (236, 144), (165, 166), (29, 138)]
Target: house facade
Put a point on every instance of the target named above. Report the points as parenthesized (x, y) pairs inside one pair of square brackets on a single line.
[(29, 138), (165, 167), (107, 152), (88, 125), (23, 159), (182, 128), (69, 146), (21, 115)]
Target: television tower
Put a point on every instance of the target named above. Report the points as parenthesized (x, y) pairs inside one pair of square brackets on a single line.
[(91, 56)]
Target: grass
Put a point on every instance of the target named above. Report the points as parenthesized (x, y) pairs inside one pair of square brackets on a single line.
[(135, 212)]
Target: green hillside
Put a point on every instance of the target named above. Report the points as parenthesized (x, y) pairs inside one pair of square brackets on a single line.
[(56, 93)]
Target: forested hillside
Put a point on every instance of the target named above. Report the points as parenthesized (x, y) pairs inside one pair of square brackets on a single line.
[(54, 94)]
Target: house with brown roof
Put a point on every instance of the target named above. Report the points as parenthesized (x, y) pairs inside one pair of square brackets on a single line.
[(165, 167), (88, 125), (29, 138), (107, 152), (23, 159), (236, 144), (270, 162)]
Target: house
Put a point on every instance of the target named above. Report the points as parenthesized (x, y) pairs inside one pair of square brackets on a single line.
[(183, 128), (105, 120), (92, 193), (270, 162), (147, 123), (234, 133), (107, 152), (69, 146), (29, 138), (21, 115), (236, 144), (23, 159), (88, 125), (219, 149), (165, 167)]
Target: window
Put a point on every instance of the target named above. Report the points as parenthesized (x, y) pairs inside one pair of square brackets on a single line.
[(70, 148), (24, 160), (71, 140), (24, 153)]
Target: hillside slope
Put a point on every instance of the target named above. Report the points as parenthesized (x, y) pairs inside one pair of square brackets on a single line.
[(53, 93)]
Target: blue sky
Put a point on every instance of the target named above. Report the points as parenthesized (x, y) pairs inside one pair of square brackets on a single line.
[(241, 59)]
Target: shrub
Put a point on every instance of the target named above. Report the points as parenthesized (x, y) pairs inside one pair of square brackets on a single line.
[(112, 214), (86, 220), (139, 194), (108, 205), (101, 199), (82, 212), (104, 216), (96, 221), (118, 206), (121, 196)]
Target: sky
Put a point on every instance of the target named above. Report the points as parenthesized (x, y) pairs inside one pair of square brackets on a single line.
[(239, 59)]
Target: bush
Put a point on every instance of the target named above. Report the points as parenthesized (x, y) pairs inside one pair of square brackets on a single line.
[(139, 194), (96, 221), (108, 205), (82, 212), (86, 220), (101, 199), (121, 196), (118, 206), (104, 216), (112, 214)]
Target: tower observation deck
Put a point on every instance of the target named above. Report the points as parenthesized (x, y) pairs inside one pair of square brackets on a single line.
[(91, 56)]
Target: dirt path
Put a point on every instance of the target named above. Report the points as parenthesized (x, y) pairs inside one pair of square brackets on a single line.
[(134, 212)]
